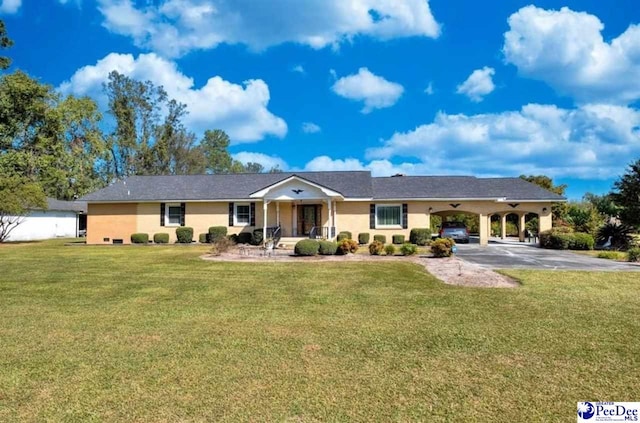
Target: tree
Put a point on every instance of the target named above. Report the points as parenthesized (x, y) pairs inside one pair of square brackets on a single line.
[(18, 195), (604, 204), (626, 195), (559, 210), (215, 145), (5, 42)]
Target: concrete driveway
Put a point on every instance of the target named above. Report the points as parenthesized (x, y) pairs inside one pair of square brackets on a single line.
[(514, 256)]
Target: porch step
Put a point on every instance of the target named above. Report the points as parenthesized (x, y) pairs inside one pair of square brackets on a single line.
[(288, 242)]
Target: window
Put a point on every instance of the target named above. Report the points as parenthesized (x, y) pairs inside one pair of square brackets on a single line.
[(388, 216), (172, 216), (242, 215)]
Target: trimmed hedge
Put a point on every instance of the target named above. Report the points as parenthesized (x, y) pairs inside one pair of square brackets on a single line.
[(344, 235), (420, 236), (257, 236), (216, 233), (375, 248), (161, 238), (397, 239), (139, 238), (390, 249), (408, 249), (380, 238), (582, 241), (184, 235), (633, 254), (363, 238), (327, 248), (244, 238), (561, 239), (203, 238), (347, 246), (442, 247), (307, 247)]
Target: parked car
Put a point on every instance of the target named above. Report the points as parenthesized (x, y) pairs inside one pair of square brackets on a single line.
[(457, 231)]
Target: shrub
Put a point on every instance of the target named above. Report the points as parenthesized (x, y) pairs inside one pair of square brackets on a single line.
[(161, 238), (257, 237), (184, 235), (233, 238), (582, 241), (420, 236), (347, 246), (307, 247), (344, 235), (327, 248), (442, 247), (375, 248), (363, 238), (222, 245), (244, 238), (557, 238), (203, 238), (380, 238), (633, 255), (609, 255), (390, 249), (620, 235), (217, 232), (408, 249), (139, 238), (397, 239)]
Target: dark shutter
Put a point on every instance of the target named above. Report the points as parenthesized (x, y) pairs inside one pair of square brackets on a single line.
[(372, 216), (230, 214), (252, 215), (162, 213), (183, 209), (405, 216)]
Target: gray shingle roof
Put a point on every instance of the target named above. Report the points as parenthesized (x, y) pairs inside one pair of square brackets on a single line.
[(351, 184), (459, 187), (60, 205), (355, 184)]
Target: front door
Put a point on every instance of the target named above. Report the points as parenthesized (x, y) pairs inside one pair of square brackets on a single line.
[(308, 217)]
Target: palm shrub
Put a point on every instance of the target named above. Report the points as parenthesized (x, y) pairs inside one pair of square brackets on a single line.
[(619, 234), (380, 238), (390, 249), (347, 246), (139, 238), (217, 232), (363, 238), (161, 238), (420, 236), (397, 239), (408, 249), (184, 235), (327, 248), (375, 248), (442, 247), (307, 247)]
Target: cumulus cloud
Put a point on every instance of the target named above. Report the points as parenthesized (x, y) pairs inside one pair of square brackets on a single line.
[(429, 90), (10, 7), (478, 84), (310, 128), (239, 109), (375, 91), (590, 142), (175, 27), (376, 167), (566, 50), (298, 69), (268, 162)]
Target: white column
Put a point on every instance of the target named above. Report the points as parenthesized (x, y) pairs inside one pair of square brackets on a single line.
[(265, 209), (521, 227), (330, 211), (278, 213), (335, 216)]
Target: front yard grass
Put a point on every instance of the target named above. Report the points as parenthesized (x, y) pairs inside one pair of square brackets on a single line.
[(157, 334)]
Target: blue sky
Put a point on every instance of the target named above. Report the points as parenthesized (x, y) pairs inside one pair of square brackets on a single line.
[(417, 87)]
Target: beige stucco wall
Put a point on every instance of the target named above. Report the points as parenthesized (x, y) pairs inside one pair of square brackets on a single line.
[(112, 221)]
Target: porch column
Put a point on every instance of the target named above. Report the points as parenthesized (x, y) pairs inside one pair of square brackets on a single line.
[(484, 239), (265, 208), (521, 227), (488, 226), (335, 216), (330, 213), (295, 219), (278, 213), (503, 226)]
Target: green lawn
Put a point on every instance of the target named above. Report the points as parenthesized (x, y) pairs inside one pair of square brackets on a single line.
[(156, 334)]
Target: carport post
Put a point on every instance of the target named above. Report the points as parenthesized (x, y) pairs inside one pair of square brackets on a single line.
[(503, 226), (484, 239), (521, 227)]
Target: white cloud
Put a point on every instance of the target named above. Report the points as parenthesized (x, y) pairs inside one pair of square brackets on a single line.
[(10, 7), (375, 91), (310, 128), (588, 142), (240, 110), (175, 27), (566, 50), (429, 90), (478, 84), (376, 167), (298, 69), (268, 162)]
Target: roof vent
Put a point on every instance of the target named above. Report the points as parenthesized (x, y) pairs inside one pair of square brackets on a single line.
[(397, 175)]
